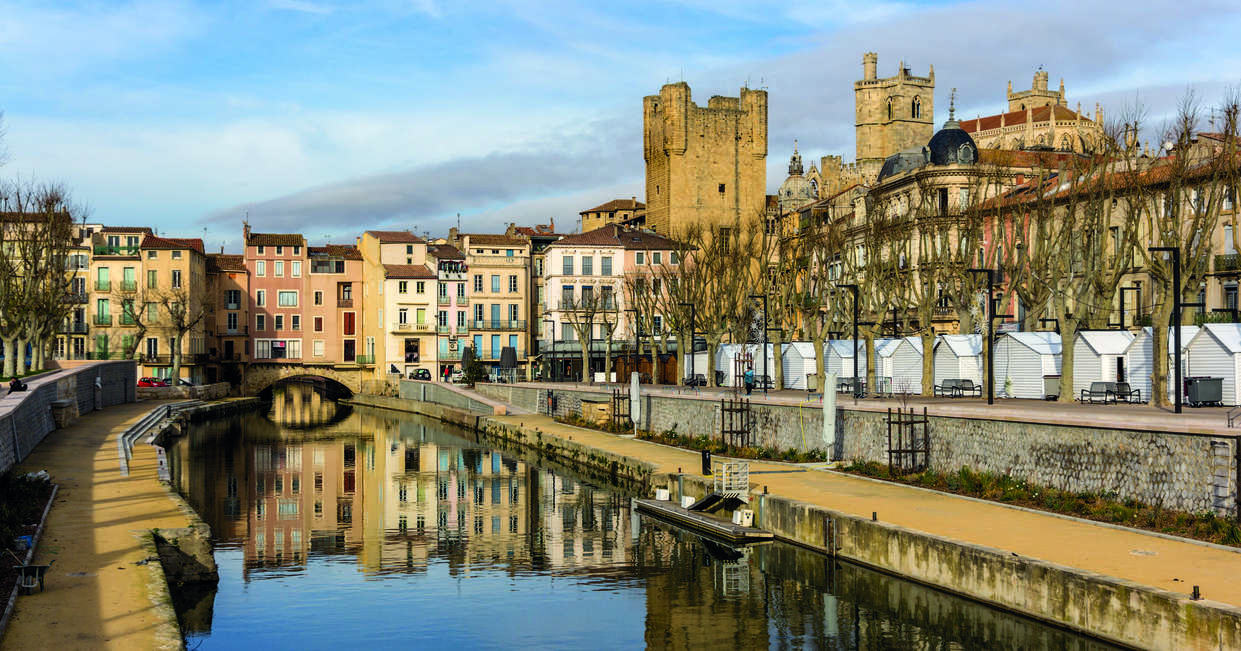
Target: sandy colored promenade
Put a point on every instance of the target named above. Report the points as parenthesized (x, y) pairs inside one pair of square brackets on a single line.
[(96, 594), (1172, 564)]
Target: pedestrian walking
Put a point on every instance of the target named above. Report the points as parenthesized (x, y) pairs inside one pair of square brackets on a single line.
[(749, 379)]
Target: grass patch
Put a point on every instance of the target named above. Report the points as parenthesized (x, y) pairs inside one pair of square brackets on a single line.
[(1092, 506)]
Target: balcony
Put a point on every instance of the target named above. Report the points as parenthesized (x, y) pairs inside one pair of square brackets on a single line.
[(450, 355), (344, 302), (443, 300), (575, 306), (76, 297), (240, 331), (235, 357), (103, 319), (73, 328), (129, 286), (232, 306), (127, 320), (131, 251), (103, 285), (101, 355), (1228, 262), (364, 360), (502, 324), (443, 330), (412, 327)]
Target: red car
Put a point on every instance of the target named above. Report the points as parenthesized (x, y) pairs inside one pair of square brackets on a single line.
[(153, 382)]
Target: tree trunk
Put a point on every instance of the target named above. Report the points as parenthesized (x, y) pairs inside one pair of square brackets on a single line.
[(20, 355), (1160, 345), (869, 350), (820, 365), (584, 345), (928, 363), (176, 359), (777, 347), (713, 344), (10, 351), (1068, 333)]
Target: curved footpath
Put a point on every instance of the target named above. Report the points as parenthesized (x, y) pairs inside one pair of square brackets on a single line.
[(1084, 549), (98, 595)]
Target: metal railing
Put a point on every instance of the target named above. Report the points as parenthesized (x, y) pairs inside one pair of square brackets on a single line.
[(501, 324), (364, 360), (443, 330), (1228, 262), (344, 302), (115, 250), (129, 285), (74, 328), (76, 297), (103, 285), (424, 326), (103, 319), (443, 300)]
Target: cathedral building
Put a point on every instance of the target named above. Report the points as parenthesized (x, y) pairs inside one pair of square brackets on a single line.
[(1038, 119)]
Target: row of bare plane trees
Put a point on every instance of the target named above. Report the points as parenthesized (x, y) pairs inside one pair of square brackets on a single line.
[(1061, 233)]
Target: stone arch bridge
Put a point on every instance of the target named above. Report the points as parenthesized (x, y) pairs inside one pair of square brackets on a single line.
[(261, 375)]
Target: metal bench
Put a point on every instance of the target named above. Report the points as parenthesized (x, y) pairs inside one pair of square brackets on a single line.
[(763, 382), (1127, 393), (1103, 392), (958, 388)]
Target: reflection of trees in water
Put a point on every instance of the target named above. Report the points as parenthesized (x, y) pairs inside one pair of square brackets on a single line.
[(394, 494)]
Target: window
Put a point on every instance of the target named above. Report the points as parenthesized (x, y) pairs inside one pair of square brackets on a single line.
[(1229, 244), (915, 108), (566, 296), (512, 284), (152, 278), (295, 268), (296, 322), (588, 265), (262, 250), (402, 287), (349, 323), (513, 312), (495, 284), (478, 312), (318, 324), (232, 299), (176, 255), (232, 321), (538, 267), (152, 312), (176, 278), (889, 108), (721, 188), (460, 290), (478, 282), (441, 318), (287, 298), (279, 250), (280, 322), (460, 319), (402, 316), (409, 249), (260, 322), (279, 268), (260, 267), (673, 258), (420, 287), (152, 255), (509, 253), (318, 297), (297, 250), (657, 257), (639, 258), (568, 265), (963, 201), (260, 297)]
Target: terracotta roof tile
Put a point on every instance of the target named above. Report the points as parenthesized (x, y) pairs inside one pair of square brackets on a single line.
[(490, 239), (396, 237), (125, 229), (618, 236), (407, 271), (346, 251), (225, 262), (445, 252), (174, 243), (275, 239), (1013, 118), (615, 205)]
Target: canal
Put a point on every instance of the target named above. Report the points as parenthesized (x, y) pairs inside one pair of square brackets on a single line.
[(338, 527)]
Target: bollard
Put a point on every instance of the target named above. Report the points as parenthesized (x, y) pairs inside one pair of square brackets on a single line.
[(1197, 595), (874, 516), (706, 462)]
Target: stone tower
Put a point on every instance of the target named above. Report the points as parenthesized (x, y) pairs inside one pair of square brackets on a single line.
[(893, 113), (1037, 96), (706, 165)]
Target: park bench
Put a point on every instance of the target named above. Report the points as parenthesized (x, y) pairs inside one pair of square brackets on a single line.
[(1127, 393), (1103, 392), (763, 382), (850, 385), (958, 388), (697, 380)]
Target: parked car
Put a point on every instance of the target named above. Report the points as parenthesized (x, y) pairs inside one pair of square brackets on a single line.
[(154, 382), (458, 375), (420, 374)]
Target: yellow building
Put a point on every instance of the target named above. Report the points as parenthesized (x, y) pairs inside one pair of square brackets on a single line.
[(381, 249), (616, 211)]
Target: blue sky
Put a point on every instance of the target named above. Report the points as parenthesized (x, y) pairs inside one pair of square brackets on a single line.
[(329, 118)]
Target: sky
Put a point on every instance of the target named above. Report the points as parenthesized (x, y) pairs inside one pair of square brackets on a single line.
[(328, 118)]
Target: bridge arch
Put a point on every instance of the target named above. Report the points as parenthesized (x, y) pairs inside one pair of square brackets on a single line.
[(260, 377)]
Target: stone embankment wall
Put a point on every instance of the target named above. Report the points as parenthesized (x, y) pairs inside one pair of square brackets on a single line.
[(441, 395), (1184, 472), (27, 417), (204, 392)]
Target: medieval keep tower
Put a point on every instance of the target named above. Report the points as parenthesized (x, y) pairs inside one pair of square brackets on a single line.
[(893, 113), (706, 165)]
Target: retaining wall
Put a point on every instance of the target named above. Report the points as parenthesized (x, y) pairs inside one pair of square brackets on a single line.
[(26, 417), (203, 392), (1183, 472)]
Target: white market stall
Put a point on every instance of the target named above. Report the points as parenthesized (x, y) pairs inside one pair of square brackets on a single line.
[(727, 356), (1140, 360), (1099, 356), (958, 357), (900, 362), (1023, 358), (799, 361), (840, 358), (1216, 352)]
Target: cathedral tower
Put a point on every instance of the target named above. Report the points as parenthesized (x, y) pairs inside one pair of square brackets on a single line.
[(893, 113), (704, 164)]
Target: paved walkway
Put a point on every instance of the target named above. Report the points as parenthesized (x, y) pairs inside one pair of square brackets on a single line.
[(95, 596), (1205, 420), (1151, 560)]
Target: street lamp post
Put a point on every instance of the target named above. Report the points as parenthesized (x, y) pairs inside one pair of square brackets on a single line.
[(693, 314), (551, 341), (1177, 305), (991, 316), (853, 288), (766, 371)]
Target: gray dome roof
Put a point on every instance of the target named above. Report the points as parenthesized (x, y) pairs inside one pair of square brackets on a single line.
[(903, 161), (797, 190), (952, 145)]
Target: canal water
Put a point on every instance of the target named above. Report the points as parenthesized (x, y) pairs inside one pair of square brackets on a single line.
[(343, 528)]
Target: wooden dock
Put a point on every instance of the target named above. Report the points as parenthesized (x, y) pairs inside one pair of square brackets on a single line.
[(702, 523)]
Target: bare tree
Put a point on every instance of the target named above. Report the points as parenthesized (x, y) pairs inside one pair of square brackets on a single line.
[(583, 313), (184, 312)]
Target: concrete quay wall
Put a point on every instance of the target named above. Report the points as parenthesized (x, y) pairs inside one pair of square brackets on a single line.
[(1191, 473), (27, 417)]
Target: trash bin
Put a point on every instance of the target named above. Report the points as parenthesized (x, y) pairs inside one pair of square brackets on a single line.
[(1205, 390), (1051, 387), (812, 382)]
